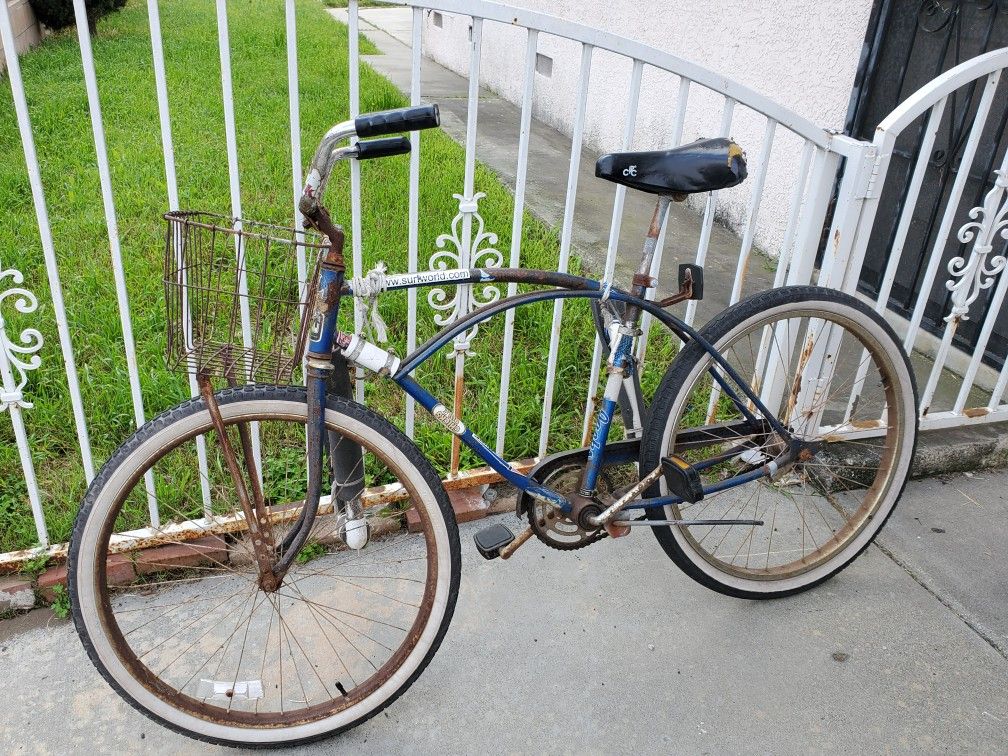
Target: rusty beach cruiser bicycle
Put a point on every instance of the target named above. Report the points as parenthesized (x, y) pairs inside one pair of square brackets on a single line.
[(304, 566)]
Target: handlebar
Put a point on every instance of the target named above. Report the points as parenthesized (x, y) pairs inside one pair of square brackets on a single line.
[(395, 121), (327, 155), (369, 124), (379, 148)]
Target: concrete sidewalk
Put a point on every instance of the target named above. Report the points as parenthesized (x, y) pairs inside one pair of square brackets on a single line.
[(613, 650)]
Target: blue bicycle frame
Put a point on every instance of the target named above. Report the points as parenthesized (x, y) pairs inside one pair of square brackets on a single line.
[(358, 351)]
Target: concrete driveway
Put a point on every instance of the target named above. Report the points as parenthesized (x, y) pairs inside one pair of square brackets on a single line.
[(613, 650)]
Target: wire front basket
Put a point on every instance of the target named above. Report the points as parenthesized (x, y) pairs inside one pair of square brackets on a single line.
[(236, 305)]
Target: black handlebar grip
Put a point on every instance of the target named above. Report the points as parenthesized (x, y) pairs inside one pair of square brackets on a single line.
[(379, 148), (396, 121)]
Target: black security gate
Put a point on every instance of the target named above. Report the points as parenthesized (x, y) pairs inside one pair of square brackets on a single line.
[(909, 43)]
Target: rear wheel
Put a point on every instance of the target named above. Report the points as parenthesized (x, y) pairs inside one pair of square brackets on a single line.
[(175, 619), (823, 510)]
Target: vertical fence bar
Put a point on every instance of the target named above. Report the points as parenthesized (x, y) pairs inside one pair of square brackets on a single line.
[(171, 182), (794, 212), (414, 206), (969, 152), (356, 254), (633, 99), (566, 231), (516, 230), (758, 181), (997, 299), (234, 185), (21, 356), (910, 203), (899, 240), (45, 236), (231, 143), (168, 153), (467, 207), (111, 223), (809, 230), (784, 257), (294, 108), (853, 214), (681, 102), (843, 255), (161, 89), (745, 251), (28, 468), (727, 113), (821, 179), (999, 388)]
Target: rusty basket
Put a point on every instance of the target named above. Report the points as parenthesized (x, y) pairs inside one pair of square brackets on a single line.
[(235, 304)]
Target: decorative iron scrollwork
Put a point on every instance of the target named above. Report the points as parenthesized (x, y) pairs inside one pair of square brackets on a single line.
[(17, 358), (935, 15), (465, 247), (989, 221)]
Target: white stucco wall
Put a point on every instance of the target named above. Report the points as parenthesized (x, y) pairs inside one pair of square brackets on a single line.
[(800, 53)]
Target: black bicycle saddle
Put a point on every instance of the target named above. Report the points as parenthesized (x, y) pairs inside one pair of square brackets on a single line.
[(701, 166)]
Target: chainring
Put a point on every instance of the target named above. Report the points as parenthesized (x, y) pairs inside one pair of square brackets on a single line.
[(550, 525)]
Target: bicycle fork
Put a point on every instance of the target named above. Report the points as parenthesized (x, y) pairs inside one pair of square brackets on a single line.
[(274, 561), (319, 368)]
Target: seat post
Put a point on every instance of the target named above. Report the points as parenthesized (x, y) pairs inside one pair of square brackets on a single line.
[(642, 280)]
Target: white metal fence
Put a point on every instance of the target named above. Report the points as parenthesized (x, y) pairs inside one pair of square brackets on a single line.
[(816, 157)]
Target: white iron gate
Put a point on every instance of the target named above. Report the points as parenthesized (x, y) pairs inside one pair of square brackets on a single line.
[(813, 156)]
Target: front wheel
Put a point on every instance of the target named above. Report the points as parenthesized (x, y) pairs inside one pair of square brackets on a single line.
[(174, 616), (834, 374)]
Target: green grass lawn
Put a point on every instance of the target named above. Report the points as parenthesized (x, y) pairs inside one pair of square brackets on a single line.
[(59, 112), (360, 4)]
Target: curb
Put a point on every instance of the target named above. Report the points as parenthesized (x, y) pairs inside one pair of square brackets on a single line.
[(953, 450), (20, 592), (16, 593), (472, 504), (939, 452)]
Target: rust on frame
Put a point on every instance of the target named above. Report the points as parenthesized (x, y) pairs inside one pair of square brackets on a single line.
[(655, 226), (589, 428), (262, 548)]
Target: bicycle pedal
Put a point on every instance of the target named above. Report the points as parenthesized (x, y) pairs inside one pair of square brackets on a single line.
[(491, 540), (682, 478)]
